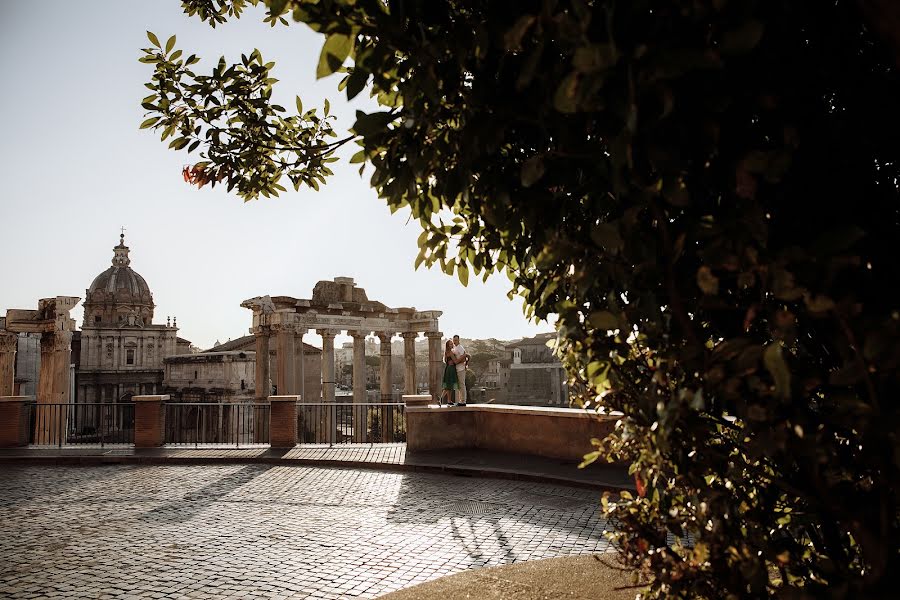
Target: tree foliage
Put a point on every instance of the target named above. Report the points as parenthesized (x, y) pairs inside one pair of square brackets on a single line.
[(705, 192)]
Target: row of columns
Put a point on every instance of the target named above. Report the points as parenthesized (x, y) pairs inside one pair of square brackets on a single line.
[(290, 363), (53, 380)]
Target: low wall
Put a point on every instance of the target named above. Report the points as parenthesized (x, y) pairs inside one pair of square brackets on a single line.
[(563, 433)]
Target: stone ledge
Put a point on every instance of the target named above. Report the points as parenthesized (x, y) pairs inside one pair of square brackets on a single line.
[(151, 398), (16, 398), (515, 409)]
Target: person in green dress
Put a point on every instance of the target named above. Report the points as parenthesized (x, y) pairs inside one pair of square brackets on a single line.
[(450, 381)]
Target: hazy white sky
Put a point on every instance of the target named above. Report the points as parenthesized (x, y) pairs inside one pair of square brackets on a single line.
[(74, 168)]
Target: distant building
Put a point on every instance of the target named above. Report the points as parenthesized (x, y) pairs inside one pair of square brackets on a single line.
[(120, 351), (536, 376), (312, 364), (220, 377)]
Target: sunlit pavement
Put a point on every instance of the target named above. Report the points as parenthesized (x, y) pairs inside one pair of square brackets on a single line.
[(260, 531)]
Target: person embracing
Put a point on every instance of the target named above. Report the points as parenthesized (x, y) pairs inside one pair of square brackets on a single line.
[(450, 380), (461, 360)]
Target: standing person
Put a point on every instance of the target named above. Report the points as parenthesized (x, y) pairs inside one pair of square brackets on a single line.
[(462, 360), (450, 381)]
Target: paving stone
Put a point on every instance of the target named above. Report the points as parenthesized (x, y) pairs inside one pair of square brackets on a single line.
[(264, 531)]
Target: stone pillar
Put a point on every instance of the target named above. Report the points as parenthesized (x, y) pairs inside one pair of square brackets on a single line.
[(360, 413), (329, 418), (435, 363), (300, 368), (8, 342), (284, 347), (409, 361), (386, 412), (14, 421), (327, 363), (263, 377), (53, 388), (283, 421), (150, 421)]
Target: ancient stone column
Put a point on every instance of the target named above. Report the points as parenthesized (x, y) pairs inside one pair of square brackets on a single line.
[(284, 347), (329, 418), (53, 388), (386, 373), (360, 413), (263, 377), (435, 363), (300, 369), (386, 412), (409, 360), (8, 342), (327, 363)]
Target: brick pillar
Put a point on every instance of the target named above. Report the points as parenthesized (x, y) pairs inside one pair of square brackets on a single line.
[(14, 421), (150, 421), (283, 421), (8, 343)]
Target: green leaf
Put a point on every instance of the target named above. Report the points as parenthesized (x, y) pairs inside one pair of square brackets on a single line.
[(512, 39), (773, 359), (589, 458), (462, 271), (170, 44), (565, 98), (607, 236), (153, 39), (358, 157), (149, 122), (603, 320), (356, 82), (532, 170), (371, 123), (299, 106), (335, 50)]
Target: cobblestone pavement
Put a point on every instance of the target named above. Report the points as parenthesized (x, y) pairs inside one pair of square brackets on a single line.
[(262, 531)]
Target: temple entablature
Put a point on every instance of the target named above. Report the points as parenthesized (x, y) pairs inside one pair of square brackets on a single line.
[(338, 306)]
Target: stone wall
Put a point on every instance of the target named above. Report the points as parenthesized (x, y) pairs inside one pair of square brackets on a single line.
[(563, 433)]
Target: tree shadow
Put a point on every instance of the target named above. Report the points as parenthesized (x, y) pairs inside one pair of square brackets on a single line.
[(482, 514), (197, 500)]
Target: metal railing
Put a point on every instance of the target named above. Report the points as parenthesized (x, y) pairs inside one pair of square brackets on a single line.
[(81, 424), (196, 423), (350, 423)]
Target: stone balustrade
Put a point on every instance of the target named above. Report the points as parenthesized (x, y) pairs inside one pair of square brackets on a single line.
[(563, 433)]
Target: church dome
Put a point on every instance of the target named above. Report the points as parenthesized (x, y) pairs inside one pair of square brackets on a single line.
[(120, 278), (119, 295)]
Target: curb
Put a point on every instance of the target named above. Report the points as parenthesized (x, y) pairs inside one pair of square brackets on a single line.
[(459, 471)]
